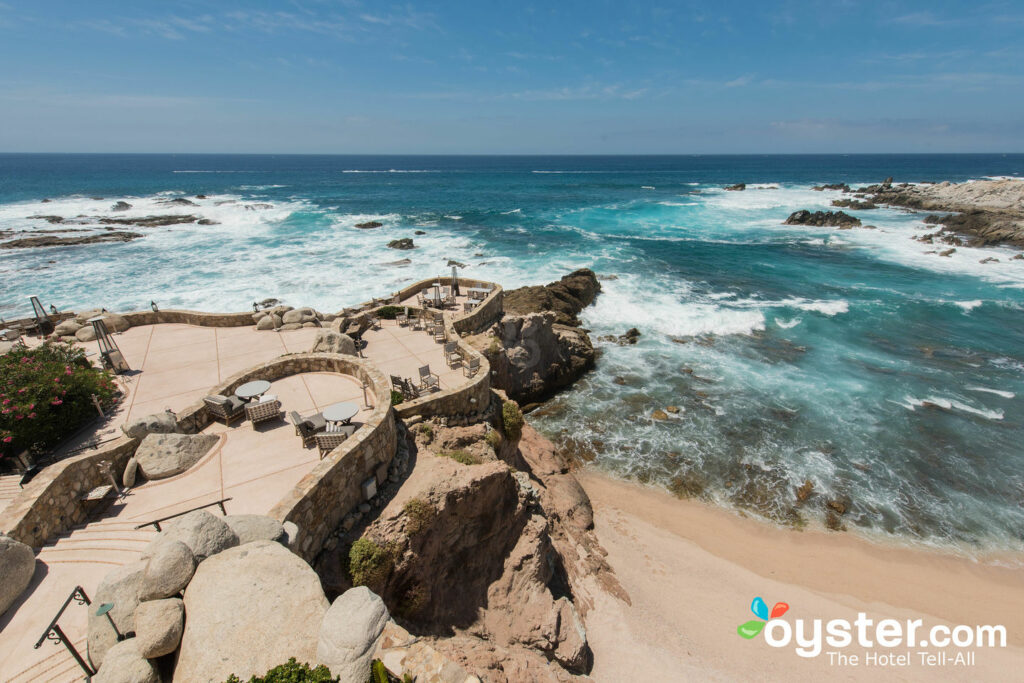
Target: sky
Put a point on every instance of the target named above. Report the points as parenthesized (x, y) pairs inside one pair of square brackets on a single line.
[(487, 77)]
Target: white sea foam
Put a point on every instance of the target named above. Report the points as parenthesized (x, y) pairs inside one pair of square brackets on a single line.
[(787, 324), (997, 392), (509, 213), (648, 187), (395, 170), (951, 404), (968, 306)]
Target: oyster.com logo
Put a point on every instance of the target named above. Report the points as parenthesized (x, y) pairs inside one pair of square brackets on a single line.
[(760, 609)]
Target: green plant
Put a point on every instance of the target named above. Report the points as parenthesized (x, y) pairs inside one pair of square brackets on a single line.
[(46, 395), (427, 431), (414, 600), (379, 672), (512, 418), (389, 312), (493, 439), (370, 564), (495, 347), (420, 513), (291, 672), (396, 397), (465, 457)]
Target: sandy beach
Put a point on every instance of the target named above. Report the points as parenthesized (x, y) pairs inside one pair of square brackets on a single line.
[(692, 570)]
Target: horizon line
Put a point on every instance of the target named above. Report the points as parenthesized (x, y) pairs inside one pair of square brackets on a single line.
[(523, 155)]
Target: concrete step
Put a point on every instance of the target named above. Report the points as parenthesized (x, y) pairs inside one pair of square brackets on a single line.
[(90, 555), (114, 542), (58, 667)]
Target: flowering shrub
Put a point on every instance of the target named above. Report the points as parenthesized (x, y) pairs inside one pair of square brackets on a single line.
[(46, 395)]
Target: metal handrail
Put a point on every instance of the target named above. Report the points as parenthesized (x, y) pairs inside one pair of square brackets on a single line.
[(156, 522), (56, 633)]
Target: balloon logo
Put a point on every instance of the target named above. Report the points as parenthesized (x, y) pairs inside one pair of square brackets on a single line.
[(760, 609)]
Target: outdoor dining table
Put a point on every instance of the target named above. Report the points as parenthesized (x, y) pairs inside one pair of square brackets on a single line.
[(340, 413), (477, 292), (251, 390)]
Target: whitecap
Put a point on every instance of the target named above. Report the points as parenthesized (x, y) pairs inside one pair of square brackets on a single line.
[(951, 404), (968, 306), (647, 187), (997, 392), (787, 324), (509, 213)]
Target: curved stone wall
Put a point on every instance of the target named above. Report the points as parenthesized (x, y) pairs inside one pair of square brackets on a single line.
[(197, 318)]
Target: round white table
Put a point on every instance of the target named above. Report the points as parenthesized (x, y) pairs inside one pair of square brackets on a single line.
[(340, 412), (251, 390)]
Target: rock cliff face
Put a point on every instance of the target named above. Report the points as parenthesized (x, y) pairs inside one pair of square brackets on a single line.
[(538, 347)]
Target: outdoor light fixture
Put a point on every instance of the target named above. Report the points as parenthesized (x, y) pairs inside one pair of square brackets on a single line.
[(255, 307), (152, 304), (53, 309), (112, 356)]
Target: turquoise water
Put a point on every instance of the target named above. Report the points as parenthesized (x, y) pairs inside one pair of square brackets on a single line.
[(889, 377)]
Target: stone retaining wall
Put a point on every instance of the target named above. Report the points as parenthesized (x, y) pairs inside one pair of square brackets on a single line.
[(197, 318)]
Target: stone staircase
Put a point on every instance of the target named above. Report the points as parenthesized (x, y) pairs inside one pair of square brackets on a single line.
[(57, 667), (9, 488)]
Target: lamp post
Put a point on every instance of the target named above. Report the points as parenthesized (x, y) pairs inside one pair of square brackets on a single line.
[(152, 304), (111, 355)]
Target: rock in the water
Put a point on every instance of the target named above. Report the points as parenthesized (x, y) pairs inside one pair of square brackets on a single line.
[(120, 206), (659, 415), (251, 528), (349, 633), (249, 609), (131, 471), (299, 315), (169, 570), (403, 243), (120, 587), (369, 224), (158, 627), (164, 455), (203, 533), (17, 565), (738, 187), (125, 664), (157, 423), (329, 341), (835, 219)]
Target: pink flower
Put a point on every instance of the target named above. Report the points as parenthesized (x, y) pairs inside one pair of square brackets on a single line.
[(56, 402), (7, 439), (31, 416), (22, 390), (7, 401), (32, 406), (67, 370), (18, 417)]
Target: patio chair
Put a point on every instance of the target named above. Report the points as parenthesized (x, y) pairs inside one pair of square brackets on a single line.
[(308, 427), (409, 389), (226, 408), (468, 306), (471, 367), (328, 441), (438, 317), (396, 300), (268, 408), (428, 380), (452, 355), (374, 322), (402, 320), (417, 321), (439, 334), (421, 300), (397, 383)]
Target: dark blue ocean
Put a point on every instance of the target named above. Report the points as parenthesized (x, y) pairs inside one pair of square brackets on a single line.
[(889, 377)]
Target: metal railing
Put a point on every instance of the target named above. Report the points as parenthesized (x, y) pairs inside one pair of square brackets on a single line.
[(56, 634), (156, 522)]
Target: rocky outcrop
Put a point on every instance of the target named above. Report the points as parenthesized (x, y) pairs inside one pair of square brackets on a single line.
[(165, 455), (330, 341), (120, 206), (403, 243), (369, 225), (77, 240), (532, 357), (832, 186), (349, 633), (159, 625), (157, 423), (853, 204), (67, 328), (738, 187), (151, 221), (830, 219), (564, 298), (203, 533), (251, 528), (249, 609), (17, 565), (120, 587)]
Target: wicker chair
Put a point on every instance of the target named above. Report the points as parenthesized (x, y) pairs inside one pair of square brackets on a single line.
[(452, 355), (328, 441), (308, 427), (471, 367), (439, 333), (428, 380), (263, 411), (226, 408), (402, 320)]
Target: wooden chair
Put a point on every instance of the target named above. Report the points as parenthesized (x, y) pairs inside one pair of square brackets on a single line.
[(439, 333), (263, 411), (328, 441), (428, 380), (471, 367), (452, 355), (308, 427)]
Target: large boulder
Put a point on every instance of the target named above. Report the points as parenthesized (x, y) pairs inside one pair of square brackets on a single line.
[(85, 334), (329, 341), (249, 609), (265, 323), (17, 565), (251, 528), (564, 298), (164, 455), (203, 533), (139, 428), (832, 219), (125, 664), (349, 633), (68, 328), (170, 568), (403, 243), (120, 587), (299, 315), (158, 627)]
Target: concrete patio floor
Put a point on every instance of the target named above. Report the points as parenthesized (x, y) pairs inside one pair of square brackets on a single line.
[(173, 367)]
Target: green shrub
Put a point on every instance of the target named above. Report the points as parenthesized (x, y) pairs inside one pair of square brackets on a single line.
[(464, 457), (493, 439), (379, 672), (291, 672), (396, 397), (427, 431), (370, 564), (46, 395), (420, 513), (389, 312), (512, 418)]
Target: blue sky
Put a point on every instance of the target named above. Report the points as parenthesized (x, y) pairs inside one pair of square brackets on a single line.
[(344, 76)]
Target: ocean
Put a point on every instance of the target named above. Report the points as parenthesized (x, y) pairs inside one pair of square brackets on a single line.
[(889, 377)]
